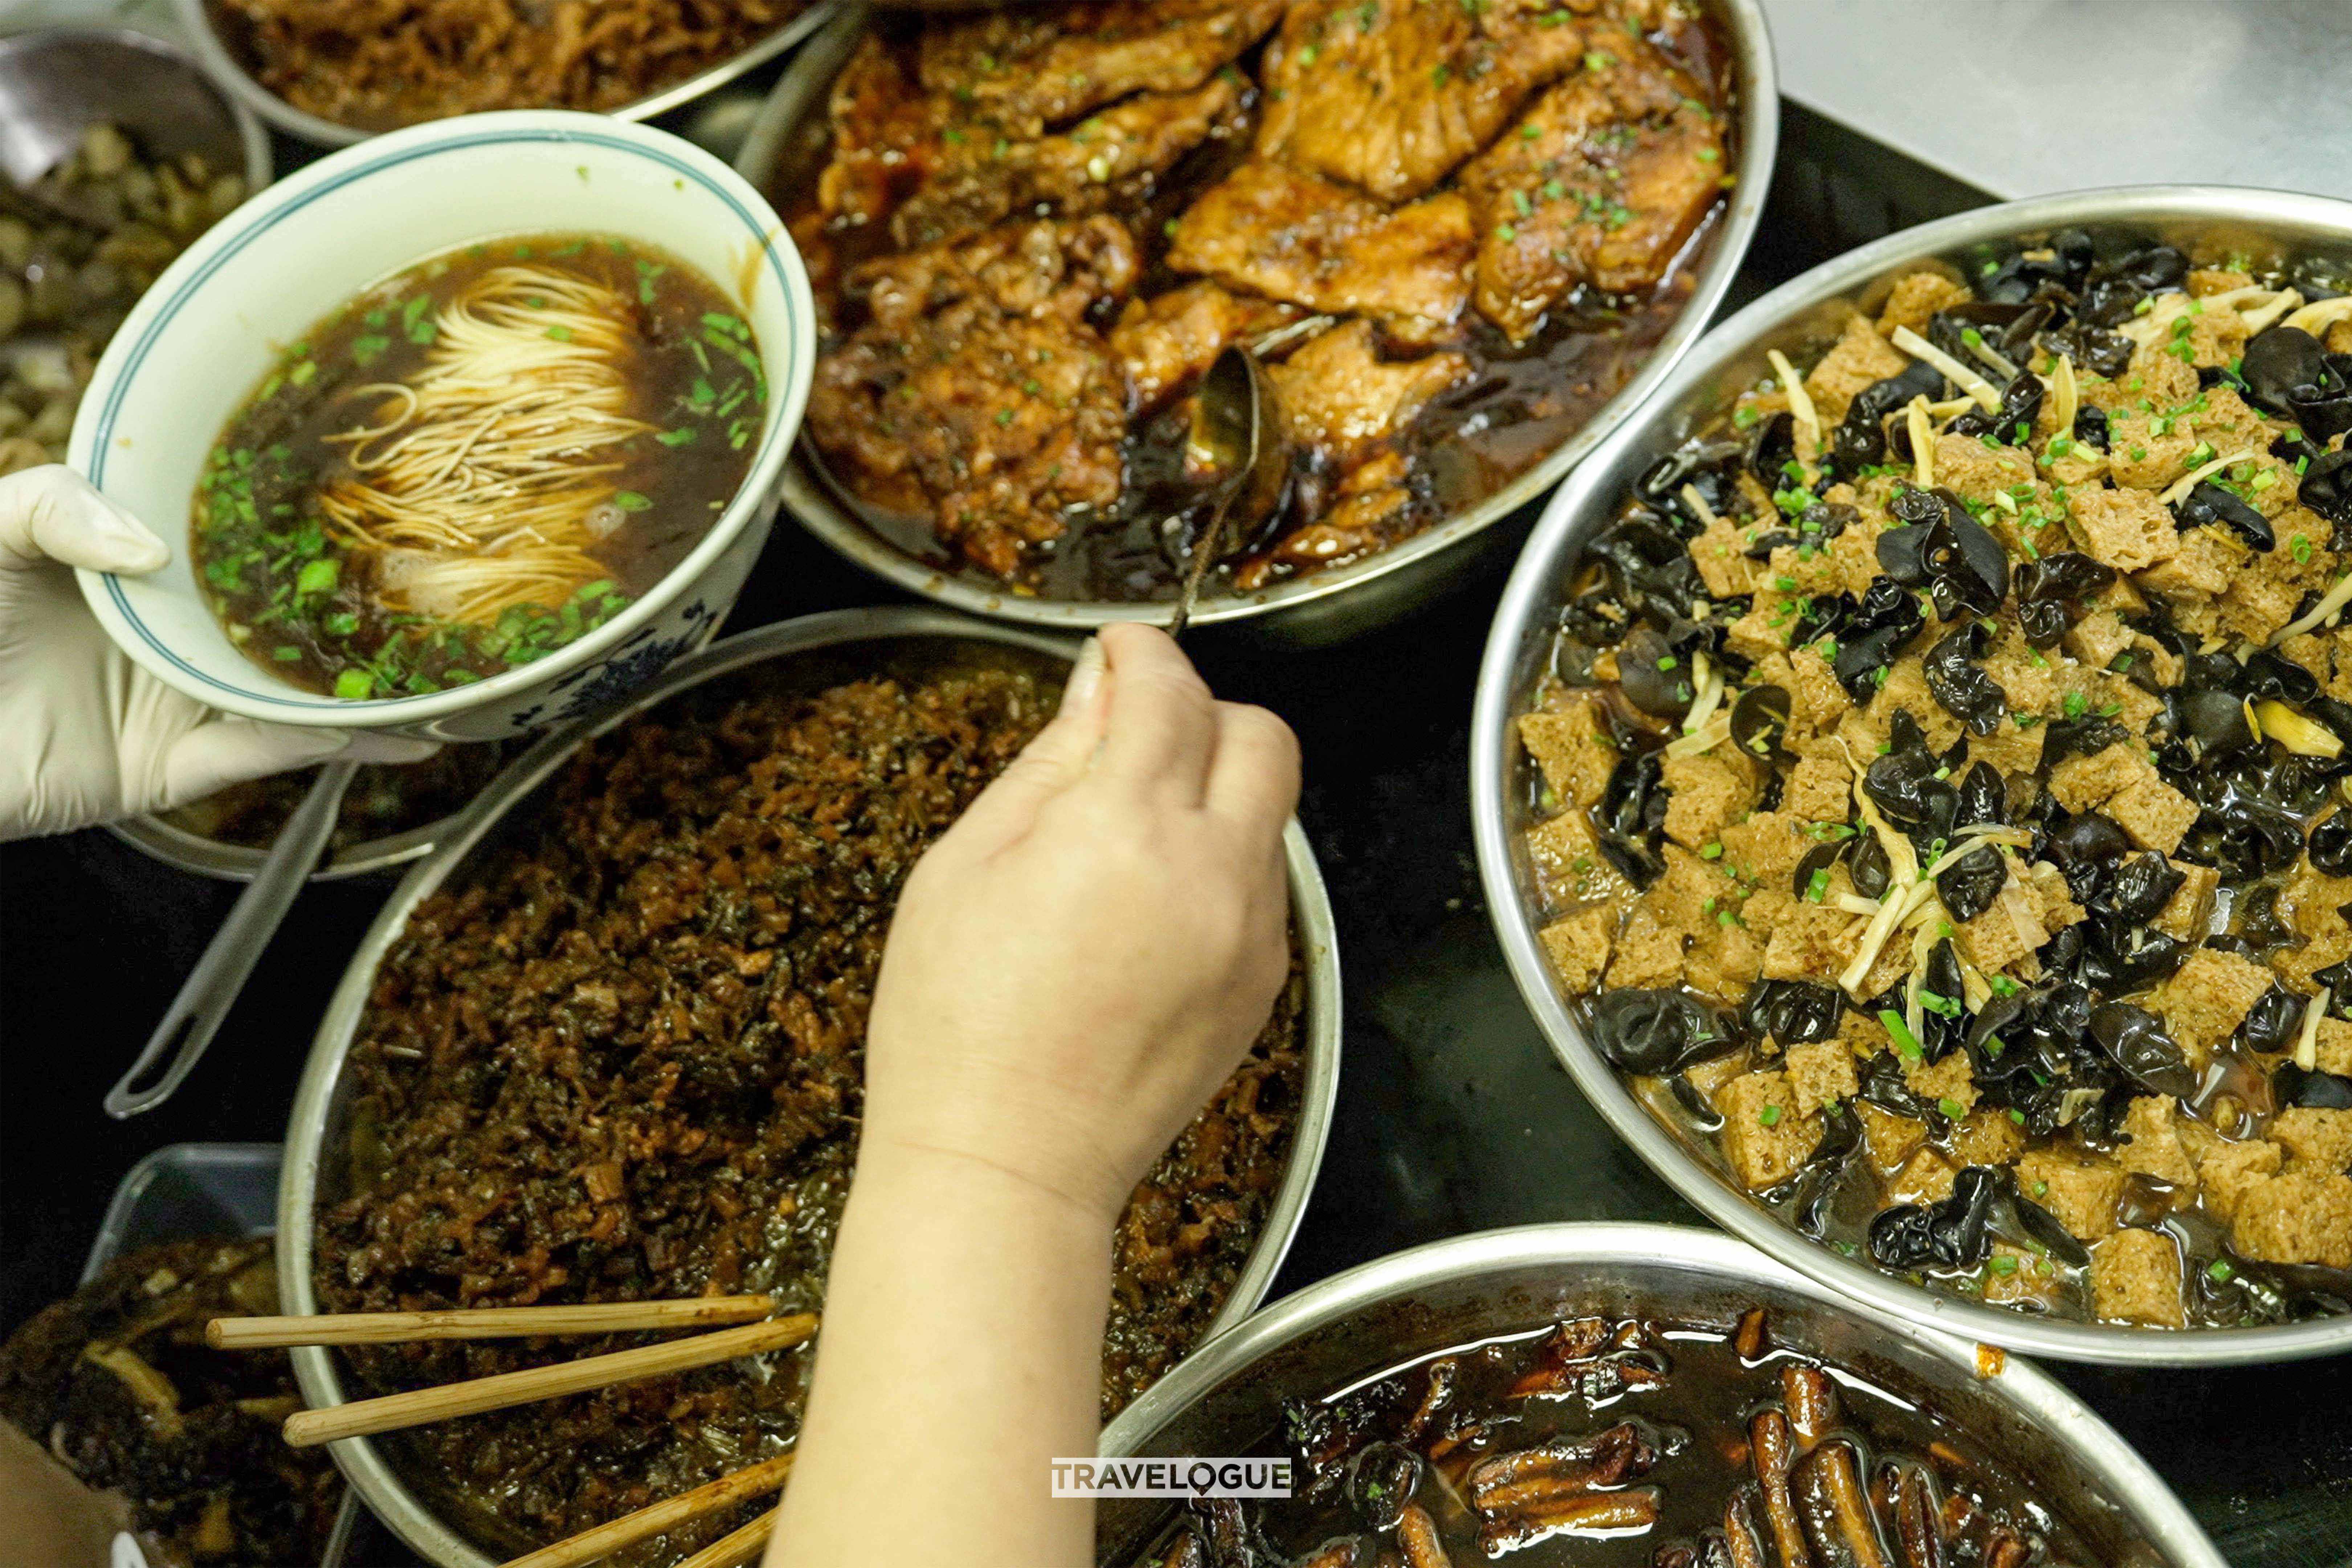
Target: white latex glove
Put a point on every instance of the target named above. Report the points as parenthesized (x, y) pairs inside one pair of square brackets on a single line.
[(86, 735)]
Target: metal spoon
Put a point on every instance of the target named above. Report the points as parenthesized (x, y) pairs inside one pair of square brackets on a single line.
[(1238, 434), (212, 987)]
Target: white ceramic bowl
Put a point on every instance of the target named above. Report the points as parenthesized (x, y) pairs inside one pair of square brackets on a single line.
[(213, 325)]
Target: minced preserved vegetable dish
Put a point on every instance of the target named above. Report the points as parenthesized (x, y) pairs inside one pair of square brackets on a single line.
[(1453, 231), (1942, 789), (620, 1056), (1615, 1442)]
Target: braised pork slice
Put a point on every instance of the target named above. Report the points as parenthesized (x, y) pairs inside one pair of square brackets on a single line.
[(1391, 95), (977, 391), (1108, 162), (1602, 181), (1341, 399), (1033, 67), (885, 134), (1273, 231), (1370, 509), (1167, 343)]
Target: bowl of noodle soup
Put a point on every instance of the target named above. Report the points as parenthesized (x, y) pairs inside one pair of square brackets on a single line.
[(458, 433)]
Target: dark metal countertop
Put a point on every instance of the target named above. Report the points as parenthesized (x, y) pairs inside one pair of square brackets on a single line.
[(1453, 1114)]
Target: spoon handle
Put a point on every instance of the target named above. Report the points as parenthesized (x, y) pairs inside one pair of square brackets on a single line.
[(212, 987), (1205, 550)]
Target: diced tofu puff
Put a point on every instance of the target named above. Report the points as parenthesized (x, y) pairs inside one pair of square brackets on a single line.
[(2005, 933), (2208, 998), (2191, 904), (1948, 1083), (1988, 1137), (2048, 885), (1927, 1177), (1917, 298), (1704, 793), (1709, 1077), (1820, 788), (1648, 955), (1814, 941), (2271, 589), (2153, 815), (2204, 280), (1816, 700), (2229, 1168), (1570, 864), (2081, 1189), (1765, 849), (1888, 1138), (2097, 639), (2136, 1278), (1822, 1073), (2129, 529), (2313, 1140), (1859, 358), (1579, 946), (2295, 1218), (1690, 892), (2200, 566), (2013, 1277), (2151, 1145), (2085, 783), (2148, 451), (2123, 783), (1767, 1134), (2335, 1047), (1974, 471), (1572, 749), (1724, 958), (1721, 553)]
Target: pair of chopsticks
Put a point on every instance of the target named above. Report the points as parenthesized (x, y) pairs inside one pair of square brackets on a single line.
[(756, 1334)]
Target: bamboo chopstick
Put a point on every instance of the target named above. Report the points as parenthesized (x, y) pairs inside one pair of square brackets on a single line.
[(308, 1429), (604, 1540), (481, 1322), (736, 1550)]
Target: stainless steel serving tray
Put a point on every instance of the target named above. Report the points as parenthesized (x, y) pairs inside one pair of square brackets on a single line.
[(314, 1133), (220, 62), (1802, 314), (1323, 606), (185, 851), (1228, 1397)]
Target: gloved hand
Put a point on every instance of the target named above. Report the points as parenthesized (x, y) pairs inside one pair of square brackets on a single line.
[(86, 735)]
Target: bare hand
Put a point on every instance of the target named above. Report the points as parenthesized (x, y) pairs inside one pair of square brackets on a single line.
[(1086, 954)]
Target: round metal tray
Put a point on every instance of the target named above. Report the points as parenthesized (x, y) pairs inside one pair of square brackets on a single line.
[(1322, 606), (195, 18), (1228, 1398), (1805, 315), (318, 1121), (56, 81), (185, 851)]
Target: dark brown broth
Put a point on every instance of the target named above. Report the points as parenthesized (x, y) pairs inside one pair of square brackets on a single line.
[(1698, 1419), (303, 601)]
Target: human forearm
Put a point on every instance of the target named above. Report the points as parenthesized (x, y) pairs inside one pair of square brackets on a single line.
[(959, 1353)]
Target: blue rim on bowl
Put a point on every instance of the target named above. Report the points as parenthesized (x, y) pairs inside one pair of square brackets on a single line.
[(180, 295)]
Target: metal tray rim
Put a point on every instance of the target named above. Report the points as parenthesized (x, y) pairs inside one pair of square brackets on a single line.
[(363, 1465), (1578, 507)]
